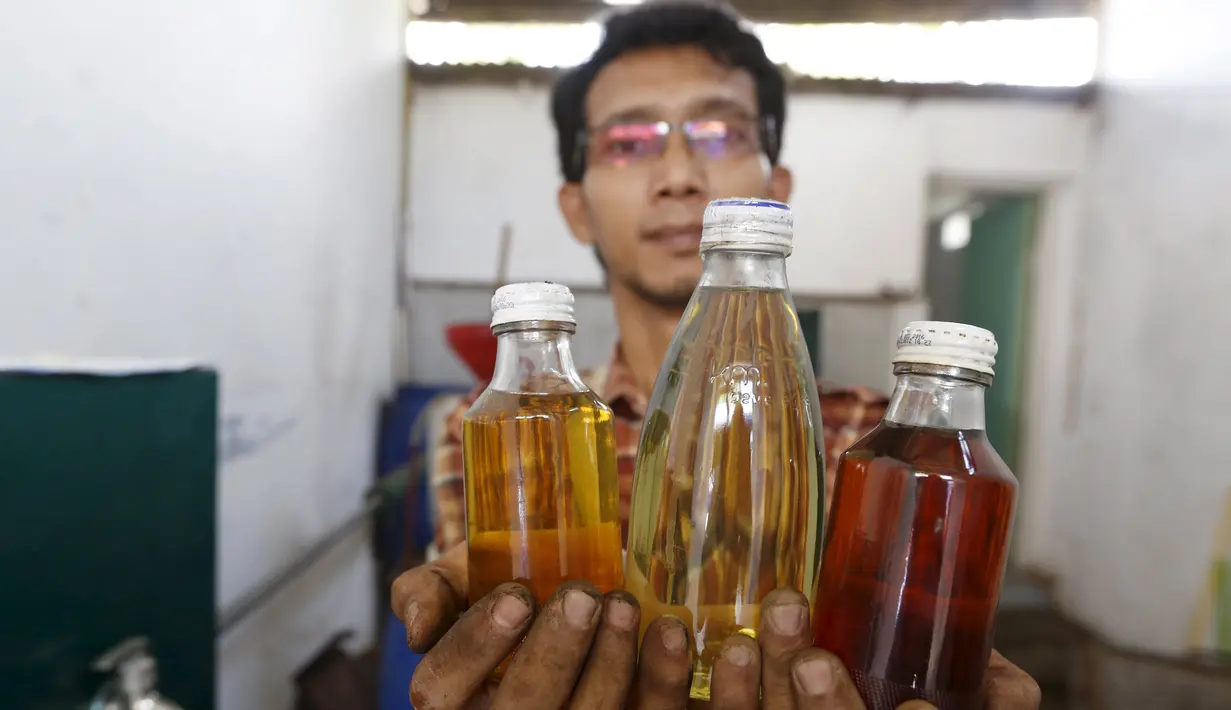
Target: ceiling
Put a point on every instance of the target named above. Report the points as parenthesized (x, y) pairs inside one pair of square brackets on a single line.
[(774, 10)]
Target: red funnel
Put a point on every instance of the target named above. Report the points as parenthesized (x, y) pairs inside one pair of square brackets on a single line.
[(475, 345)]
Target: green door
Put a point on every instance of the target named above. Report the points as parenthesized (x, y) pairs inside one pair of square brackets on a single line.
[(993, 296)]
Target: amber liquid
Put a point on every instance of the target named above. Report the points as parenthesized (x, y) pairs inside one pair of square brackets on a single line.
[(727, 494), (914, 558), (542, 493)]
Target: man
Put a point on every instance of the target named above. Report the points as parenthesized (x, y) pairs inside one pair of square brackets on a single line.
[(678, 106)]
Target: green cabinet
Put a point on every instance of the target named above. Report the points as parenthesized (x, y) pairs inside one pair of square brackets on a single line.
[(107, 530)]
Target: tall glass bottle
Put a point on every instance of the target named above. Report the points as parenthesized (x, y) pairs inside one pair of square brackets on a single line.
[(727, 496), (542, 493), (919, 531)]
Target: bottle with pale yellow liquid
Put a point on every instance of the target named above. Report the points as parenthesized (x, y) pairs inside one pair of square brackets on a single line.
[(542, 492), (728, 494)]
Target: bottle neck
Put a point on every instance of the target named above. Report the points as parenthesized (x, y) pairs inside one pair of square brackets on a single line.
[(741, 268), (535, 356), (936, 401)]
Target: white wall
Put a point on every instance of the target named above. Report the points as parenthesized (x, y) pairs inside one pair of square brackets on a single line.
[(1146, 472), (862, 164), (220, 181)]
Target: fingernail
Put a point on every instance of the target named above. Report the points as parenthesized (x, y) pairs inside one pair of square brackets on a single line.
[(673, 638), (788, 619), (737, 655), (579, 608), (815, 676), (412, 611), (510, 611), (621, 614)]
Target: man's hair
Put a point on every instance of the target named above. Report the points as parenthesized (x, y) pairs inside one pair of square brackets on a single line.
[(710, 26)]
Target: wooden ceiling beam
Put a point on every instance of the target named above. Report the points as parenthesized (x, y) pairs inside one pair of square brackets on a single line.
[(785, 11), (503, 75)]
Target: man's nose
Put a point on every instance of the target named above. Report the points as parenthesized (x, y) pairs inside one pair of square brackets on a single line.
[(679, 173)]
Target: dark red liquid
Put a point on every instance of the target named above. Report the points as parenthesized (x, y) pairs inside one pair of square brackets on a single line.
[(914, 557)]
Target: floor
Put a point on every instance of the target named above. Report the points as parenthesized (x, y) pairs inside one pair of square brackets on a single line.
[(1031, 633)]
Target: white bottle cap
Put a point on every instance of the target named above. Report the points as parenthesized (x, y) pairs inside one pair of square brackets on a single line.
[(748, 223), (947, 344), (536, 300)]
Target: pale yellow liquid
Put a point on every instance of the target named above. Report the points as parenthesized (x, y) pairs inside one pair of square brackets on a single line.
[(710, 624), (728, 495), (542, 493)]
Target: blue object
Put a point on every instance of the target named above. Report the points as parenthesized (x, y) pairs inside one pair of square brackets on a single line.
[(398, 664), (394, 450), (750, 202), (398, 420)]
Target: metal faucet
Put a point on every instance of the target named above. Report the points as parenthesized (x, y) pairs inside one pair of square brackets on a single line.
[(134, 681)]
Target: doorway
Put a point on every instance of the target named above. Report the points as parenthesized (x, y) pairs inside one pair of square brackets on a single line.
[(978, 255)]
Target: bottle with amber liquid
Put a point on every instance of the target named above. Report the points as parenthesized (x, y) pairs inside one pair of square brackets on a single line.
[(728, 491), (919, 530), (542, 494)]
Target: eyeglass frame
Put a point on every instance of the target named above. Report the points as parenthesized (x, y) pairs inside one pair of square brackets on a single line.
[(767, 134)]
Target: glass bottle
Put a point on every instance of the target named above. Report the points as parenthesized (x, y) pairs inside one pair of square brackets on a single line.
[(728, 490), (134, 685), (542, 494), (919, 530)]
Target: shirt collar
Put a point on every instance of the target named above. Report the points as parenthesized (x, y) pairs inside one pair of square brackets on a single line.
[(614, 384), (618, 388)]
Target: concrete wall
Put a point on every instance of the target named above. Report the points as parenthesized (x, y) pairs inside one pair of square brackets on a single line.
[(869, 173), (857, 339), (1139, 489), (220, 181), (863, 168)]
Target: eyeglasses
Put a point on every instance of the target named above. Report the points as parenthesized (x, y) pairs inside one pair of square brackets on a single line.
[(623, 144)]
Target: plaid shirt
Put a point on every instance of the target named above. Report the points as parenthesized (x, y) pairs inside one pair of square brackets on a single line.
[(847, 414)]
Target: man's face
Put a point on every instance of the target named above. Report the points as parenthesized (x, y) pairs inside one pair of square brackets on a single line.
[(645, 188)]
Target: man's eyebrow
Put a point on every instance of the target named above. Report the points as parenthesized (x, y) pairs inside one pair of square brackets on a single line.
[(718, 105), (700, 108), (636, 114)]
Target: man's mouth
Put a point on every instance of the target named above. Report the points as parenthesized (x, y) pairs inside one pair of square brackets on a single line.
[(677, 238)]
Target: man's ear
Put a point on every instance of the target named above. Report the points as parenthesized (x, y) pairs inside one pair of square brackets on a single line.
[(573, 209), (781, 182)]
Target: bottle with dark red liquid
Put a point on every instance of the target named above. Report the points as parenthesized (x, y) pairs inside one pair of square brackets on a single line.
[(918, 532)]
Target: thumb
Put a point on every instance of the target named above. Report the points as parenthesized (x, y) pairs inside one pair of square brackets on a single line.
[(428, 598), (821, 682)]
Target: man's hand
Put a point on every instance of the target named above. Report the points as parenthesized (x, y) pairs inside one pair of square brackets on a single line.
[(580, 648), (791, 675), (1009, 687), (580, 653)]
